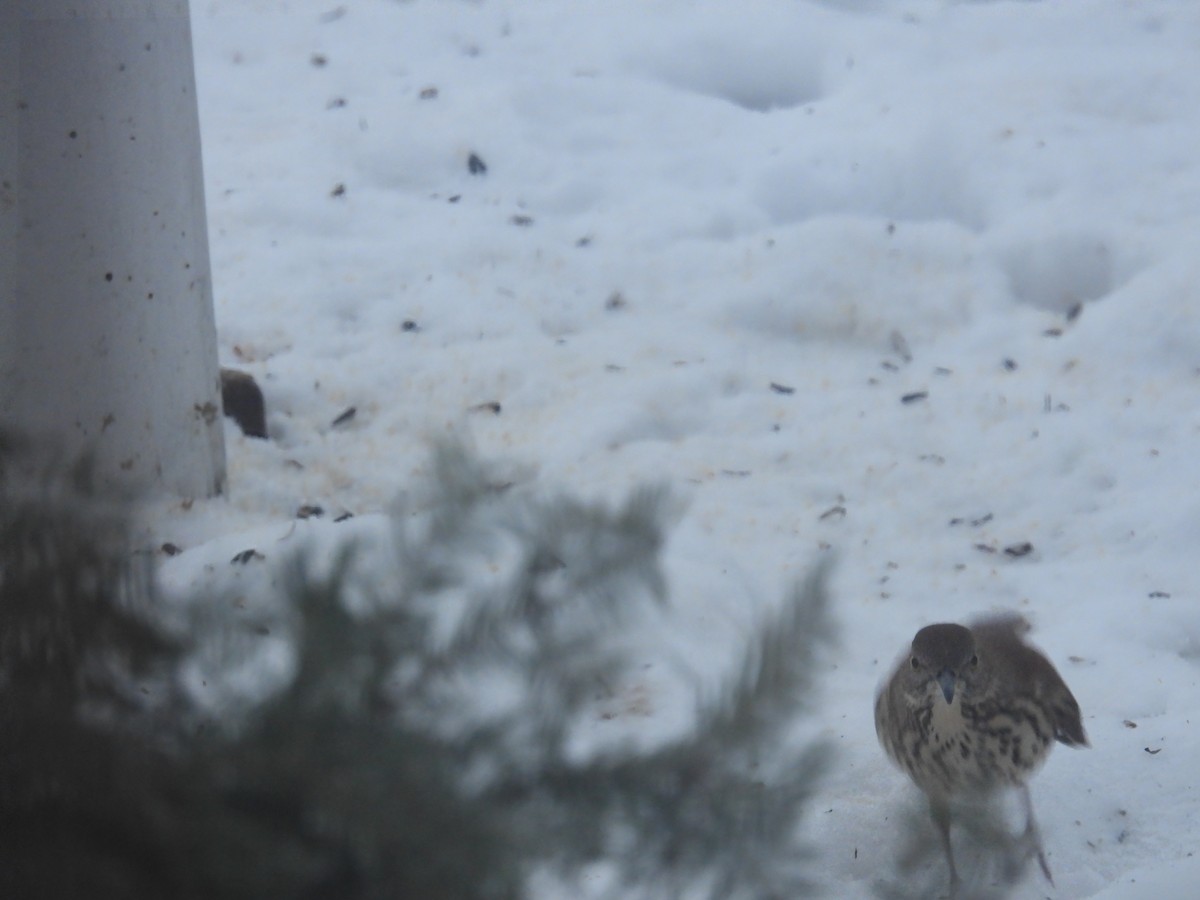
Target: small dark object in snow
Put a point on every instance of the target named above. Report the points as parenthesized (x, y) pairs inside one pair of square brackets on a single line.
[(491, 406), (585, 241), (171, 549), (975, 522), (1153, 752), (1129, 723), (339, 190), (336, 103), (1052, 332), (889, 365), (838, 512), (985, 548), (242, 400), (782, 388), (409, 325), (319, 60), (246, 556), (521, 220), (1074, 311), (309, 512), (1016, 551), (914, 396), (1010, 364), (475, 165), (616, 300), (430, 93), (343, 517), (454, 198), (942, 370), (345, 416), (1159, 595)]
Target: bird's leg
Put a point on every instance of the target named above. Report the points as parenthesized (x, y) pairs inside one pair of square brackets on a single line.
[(941, 818), (1032, 835)]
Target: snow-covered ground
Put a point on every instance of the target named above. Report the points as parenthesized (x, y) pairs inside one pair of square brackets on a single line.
[(917, 280)]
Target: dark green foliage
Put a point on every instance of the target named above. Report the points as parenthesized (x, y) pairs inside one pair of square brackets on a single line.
[(419, 747), (77, 811)]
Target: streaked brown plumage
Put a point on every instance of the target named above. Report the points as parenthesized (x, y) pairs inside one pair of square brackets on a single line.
[(972, 710)]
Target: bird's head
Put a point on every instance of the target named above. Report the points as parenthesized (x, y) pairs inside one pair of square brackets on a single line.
[(943, 657)]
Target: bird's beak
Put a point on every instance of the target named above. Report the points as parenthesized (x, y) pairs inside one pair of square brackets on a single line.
[(946, 679)]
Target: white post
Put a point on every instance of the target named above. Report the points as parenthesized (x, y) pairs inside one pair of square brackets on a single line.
[(107, 337)]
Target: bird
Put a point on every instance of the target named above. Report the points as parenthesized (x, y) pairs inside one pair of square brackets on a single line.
[(972, 710)]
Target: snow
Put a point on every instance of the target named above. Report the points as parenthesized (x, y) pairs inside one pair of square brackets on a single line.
[(715, 246)]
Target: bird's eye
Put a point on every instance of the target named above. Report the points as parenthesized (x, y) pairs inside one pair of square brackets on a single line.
[(974, 661), (916, 663)]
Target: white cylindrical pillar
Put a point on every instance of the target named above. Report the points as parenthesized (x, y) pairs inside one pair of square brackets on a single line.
[(107, 337)]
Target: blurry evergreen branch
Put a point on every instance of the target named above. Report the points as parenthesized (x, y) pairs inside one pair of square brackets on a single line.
[(77, 797), (421, 747)]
